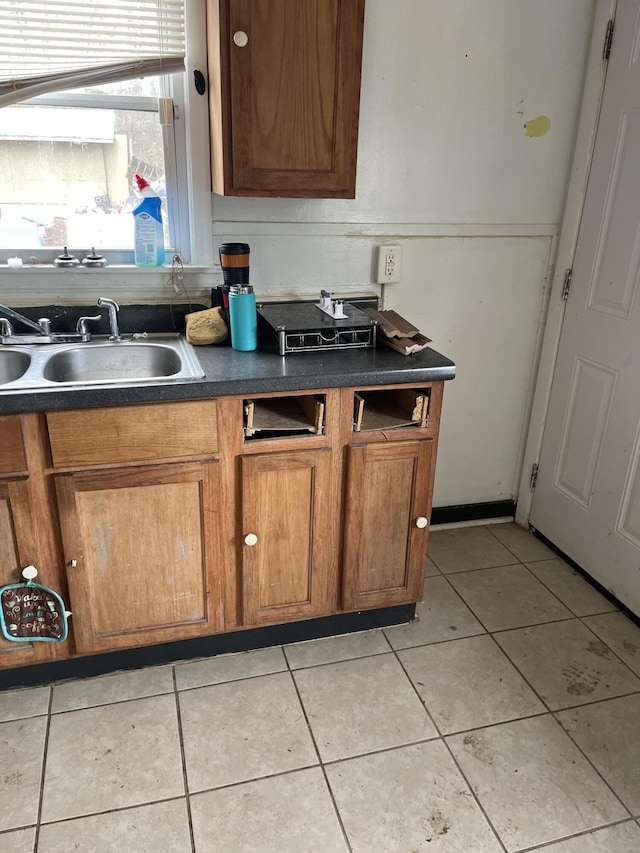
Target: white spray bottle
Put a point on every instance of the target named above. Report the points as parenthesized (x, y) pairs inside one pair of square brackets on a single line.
[(148, 230)]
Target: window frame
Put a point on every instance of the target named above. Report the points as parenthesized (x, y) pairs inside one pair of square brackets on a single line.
[(186, 151)]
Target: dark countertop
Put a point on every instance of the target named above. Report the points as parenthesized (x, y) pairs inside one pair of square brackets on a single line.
[(229, 372)]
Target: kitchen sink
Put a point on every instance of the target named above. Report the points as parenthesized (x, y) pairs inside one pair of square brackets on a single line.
[(13, 365), (113, 361), (148, 359)]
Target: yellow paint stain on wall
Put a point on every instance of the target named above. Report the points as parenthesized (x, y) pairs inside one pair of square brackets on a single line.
[(537, 126)]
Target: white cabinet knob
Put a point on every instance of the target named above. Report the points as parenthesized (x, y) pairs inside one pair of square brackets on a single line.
[(240, 39), (421, 522), (250, 539)]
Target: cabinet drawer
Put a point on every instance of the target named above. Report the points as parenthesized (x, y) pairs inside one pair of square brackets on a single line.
[(12, 455), (133, 433)]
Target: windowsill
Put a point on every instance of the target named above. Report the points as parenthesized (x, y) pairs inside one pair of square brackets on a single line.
[(39, 269)]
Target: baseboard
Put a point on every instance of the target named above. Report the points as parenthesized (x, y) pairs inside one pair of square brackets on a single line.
[(472, 512), (90, 666)]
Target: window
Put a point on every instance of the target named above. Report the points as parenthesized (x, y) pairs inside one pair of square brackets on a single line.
[(69, 155)]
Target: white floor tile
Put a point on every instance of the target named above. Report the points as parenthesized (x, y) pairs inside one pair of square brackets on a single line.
[(409, 799), (570, 587), (607, 733), (334, 649), (21, 758), (20, 841), (508, 597), (234, 667), (469, 683), (112, 756), (442, 616), (287, 814), (19, 704), (243, 730), (566, 664), (620, 634), (145, 829), (533, 782), (431, 568), (521, 542), (463, 549), (89, 692), (362, 705), (622, 838)]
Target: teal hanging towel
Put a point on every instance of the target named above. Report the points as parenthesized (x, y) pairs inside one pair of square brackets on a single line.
[(30, 612)]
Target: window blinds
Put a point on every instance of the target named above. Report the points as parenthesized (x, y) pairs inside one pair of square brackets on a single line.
[(53, 45)]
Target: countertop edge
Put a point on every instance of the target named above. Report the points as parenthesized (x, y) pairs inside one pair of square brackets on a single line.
[(300, 373)]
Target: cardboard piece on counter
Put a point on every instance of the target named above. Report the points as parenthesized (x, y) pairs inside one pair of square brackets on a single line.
[(406, 346), (284, 414), (392, 325)]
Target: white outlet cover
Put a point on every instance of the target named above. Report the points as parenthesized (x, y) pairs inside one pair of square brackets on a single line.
[(388, 264)]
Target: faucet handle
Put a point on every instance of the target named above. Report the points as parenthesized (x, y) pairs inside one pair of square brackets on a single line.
[(81, 325), (6, 329)]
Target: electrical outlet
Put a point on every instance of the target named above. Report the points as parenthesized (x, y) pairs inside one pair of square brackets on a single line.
[(389, 264)]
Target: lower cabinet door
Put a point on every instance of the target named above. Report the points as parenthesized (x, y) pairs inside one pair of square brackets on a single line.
[(287, 536), (386, 525), (142, 551)]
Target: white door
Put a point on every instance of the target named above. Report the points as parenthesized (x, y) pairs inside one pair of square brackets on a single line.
[(587, 496)]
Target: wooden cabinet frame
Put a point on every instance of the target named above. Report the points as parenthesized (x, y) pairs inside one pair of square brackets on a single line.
[(335, 514)]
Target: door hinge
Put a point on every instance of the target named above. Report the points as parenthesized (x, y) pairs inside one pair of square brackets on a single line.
[(566, 287), (608, 38), (534, 476)]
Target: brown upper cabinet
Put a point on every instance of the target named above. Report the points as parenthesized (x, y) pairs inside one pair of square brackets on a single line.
[(284, 89)]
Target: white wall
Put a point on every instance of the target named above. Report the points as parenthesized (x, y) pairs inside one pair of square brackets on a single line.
[(446, 170)]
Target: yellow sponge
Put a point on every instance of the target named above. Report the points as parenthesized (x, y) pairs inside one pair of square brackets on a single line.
[(206, 327)]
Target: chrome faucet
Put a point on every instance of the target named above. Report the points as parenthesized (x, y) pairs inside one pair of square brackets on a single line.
[(42, 327), (113, 308), (42, 330)]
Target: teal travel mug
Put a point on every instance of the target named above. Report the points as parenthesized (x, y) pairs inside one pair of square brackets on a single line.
[(243, 317)]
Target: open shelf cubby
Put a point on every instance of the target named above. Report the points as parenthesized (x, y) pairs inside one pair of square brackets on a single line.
[(395, 408), (283, 417)]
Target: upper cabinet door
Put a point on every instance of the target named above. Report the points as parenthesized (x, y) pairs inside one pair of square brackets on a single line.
[(285, 92)]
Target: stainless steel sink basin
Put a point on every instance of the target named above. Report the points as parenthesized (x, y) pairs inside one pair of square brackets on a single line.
[(151, 359), (113, 362), (13, 365)]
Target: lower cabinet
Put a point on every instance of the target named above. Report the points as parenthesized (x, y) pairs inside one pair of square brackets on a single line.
[(386, 523), (141, 548), (164, 523), (288, 527)]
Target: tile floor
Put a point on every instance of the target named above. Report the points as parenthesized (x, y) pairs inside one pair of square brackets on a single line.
[(506, 719)]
